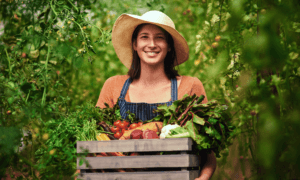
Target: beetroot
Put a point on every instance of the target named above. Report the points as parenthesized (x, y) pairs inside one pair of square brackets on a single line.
[(136, 134), (149, 134)]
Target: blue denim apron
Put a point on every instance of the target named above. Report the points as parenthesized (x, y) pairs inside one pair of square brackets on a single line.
[(143, 111)]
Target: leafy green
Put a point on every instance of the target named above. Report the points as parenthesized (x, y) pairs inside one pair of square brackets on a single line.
[(207, 124), (178, 132)]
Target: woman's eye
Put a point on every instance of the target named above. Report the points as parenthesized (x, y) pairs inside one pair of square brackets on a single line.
[(144, 37)]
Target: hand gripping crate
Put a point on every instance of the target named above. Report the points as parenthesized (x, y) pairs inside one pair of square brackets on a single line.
[(182, 161)]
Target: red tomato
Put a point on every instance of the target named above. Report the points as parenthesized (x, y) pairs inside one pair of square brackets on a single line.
[(134, 125), (127, 123), (118, 134), (123, 125), (115, 129), (117, 123), (140, 123), (123, 131)]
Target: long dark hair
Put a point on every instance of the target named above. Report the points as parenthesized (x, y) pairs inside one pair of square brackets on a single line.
[(135, 68)]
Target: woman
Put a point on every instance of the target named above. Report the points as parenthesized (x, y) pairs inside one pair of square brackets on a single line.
[(150, 47)]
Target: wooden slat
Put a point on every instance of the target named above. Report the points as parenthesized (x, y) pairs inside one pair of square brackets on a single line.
[(136, 145), (157, 175), (147, 161)]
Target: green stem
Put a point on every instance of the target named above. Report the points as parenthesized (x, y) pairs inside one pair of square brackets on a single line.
[(80, 30), (98, 29), (9, 67), (105, 132), (27, 97), (280, 99), (53, 8), (251, 150), (45, 79), (73, 5), (220, 16)]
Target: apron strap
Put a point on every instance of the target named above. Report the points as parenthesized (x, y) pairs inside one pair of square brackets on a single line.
[(125, 88), (174, 95)]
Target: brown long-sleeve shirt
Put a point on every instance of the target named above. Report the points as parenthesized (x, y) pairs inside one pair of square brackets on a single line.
[(112, 88)]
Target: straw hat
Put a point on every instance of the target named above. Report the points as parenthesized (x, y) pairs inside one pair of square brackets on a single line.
[(125, 25)]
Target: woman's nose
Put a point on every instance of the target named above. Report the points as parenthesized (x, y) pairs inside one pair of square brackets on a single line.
[(152, 42)]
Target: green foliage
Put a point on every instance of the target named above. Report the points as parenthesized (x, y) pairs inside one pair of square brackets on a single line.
[(207, 124)]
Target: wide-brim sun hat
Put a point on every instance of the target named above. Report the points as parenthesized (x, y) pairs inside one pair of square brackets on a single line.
[(126, 24)]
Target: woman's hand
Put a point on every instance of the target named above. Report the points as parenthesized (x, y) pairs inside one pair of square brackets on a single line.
[(203, 177), (209, 167)]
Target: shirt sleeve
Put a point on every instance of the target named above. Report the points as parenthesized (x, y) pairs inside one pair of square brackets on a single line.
[(106, 94), (198, 89)]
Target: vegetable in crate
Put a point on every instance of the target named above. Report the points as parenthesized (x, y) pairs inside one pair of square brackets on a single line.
[(153, 126), (136, 134), (166, 130), (207, 124)]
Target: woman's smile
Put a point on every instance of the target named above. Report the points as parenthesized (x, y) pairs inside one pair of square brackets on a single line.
[(151, 53)]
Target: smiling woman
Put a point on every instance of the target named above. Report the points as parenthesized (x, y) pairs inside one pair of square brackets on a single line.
[(150, 47)]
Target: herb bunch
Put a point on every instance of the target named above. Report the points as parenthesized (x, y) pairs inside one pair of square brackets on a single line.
[(110, 115), (208, 124)]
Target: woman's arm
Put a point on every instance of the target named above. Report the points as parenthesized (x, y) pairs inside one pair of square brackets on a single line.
[(208, 167)]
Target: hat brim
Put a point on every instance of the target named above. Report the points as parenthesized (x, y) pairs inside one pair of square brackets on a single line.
[(122, 33)]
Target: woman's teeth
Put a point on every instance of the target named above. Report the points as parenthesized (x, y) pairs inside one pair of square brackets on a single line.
[(152, 53)]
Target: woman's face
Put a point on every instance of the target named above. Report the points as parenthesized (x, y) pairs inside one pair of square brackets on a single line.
[(151, 45)]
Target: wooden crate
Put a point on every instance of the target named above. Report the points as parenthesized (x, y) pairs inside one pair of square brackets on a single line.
[(184, 161)]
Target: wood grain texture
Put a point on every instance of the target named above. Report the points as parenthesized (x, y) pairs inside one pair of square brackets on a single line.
[(136, 145), (157, 175), (147, 161)]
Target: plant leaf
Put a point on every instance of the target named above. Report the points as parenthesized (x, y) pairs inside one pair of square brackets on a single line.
[(198, 120)]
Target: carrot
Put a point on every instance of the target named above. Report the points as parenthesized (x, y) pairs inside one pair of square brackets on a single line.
[(116, 154), (104, 137), (154, 126)]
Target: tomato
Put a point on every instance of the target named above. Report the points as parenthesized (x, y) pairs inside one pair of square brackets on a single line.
[(116, 123), (115, 129), (123, 125), (140, 123), (118, 134), (123, 131), (23, 55), (127, 123), (134, 125)]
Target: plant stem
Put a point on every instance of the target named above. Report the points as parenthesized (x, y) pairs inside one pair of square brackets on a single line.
[(80, 30), (73, 5), (45, 79), (251, 150), (53, 8), (27, 97), (9, 67), (220, 16)]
